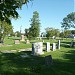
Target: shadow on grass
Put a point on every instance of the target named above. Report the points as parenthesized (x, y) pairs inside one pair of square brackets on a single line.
[(14, 64), (65, 44)]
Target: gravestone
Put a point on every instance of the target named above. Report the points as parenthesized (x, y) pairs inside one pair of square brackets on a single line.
[(48, 47), (37, 48), (27, 42), (58, 45), (22, 38), (72, 44), (54, 46), (17, 42), (48, 60)]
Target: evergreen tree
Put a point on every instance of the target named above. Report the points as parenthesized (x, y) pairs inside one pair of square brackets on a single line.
[(34, 30)]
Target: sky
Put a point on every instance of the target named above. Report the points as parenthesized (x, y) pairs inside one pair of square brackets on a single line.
[(51, 13)]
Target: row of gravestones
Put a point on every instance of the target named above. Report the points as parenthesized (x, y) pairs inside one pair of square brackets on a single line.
[(18, 41), (37, 48), (22, 39)]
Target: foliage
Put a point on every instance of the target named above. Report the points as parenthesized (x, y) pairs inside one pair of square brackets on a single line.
[(68, 21), (67, 33), (73, 31), (63, 62), (52, 32), (8, 9), (27, 33), (5, 29), (35, 25), (43, 34), (62, 34), (18, 33)]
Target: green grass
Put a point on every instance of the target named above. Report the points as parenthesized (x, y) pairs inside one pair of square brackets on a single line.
[(9, 44), (14, 64), (63, 61)]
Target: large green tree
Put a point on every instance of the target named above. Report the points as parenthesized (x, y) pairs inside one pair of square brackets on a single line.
[(8, 8), (27, 32), (5, 29), (52, 32), (34, 30), (69, 21)]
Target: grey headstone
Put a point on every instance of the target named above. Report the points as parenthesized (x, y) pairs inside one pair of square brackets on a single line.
[(48, 60)]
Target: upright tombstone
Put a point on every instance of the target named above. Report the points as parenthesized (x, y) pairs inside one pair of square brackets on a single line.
[(48, 60), (58, 45), (48, 47), (22, 38), (54, 46), (17, 42), (37, 48), (72, 44)]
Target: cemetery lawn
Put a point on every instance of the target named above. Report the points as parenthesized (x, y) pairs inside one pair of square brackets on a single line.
[(15, 64)]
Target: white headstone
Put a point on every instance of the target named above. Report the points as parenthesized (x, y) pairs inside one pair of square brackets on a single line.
[(22, 38), (54, 46), (48, 47), (37, 48)]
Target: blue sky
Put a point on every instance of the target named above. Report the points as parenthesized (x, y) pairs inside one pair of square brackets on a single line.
[(51, 13)]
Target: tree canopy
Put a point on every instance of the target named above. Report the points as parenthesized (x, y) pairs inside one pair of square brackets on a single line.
[(8, 8), (52, 32), (5, 29), (34, 30), (69, 21)]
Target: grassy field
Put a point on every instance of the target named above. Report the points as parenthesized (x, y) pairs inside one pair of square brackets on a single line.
[(14, 64)]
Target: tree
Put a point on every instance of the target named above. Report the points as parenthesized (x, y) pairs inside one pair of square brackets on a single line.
[(43, 34), (27, 32), (73, 31), (8, 9), (62, 34), (67, 33), (18, 34), (50, 32), (34, 30), (5, 29), (69, 21)]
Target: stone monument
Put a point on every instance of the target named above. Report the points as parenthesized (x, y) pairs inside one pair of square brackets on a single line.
[(48, 60), (17, 42), (48, 47), (37, 48), (22, 38), (54, 46)]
